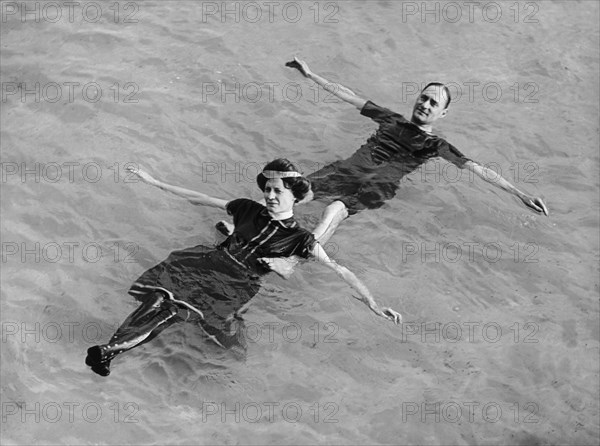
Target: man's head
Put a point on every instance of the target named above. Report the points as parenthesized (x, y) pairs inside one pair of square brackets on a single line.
[(431, 105)]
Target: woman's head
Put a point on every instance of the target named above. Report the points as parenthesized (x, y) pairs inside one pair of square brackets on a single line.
[(282, 187), (290, 176)]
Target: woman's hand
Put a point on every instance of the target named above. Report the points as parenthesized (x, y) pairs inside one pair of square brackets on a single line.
[(393, 315), (390, 314), (144, 176), (192, 196)]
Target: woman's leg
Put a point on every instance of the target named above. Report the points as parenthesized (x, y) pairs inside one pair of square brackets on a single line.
[(154, 315)]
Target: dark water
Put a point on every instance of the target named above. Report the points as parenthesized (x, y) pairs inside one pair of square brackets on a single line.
[(501, 339)]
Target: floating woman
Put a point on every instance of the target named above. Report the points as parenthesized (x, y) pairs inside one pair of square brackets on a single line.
[(214, 285)]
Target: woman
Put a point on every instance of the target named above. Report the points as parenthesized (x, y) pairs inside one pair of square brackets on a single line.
[(214, 284)]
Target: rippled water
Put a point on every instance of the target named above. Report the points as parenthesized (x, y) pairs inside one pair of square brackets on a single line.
[(500, 344)]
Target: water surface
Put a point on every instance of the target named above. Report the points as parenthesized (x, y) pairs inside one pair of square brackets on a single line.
[(500, 344)]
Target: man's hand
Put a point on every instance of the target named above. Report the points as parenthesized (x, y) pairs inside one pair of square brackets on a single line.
[(496, 179), (300, 65), (536, 204), (338, 90), (284, 266)]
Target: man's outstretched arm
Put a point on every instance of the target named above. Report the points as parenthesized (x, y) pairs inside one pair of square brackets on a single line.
[(496, 179), (345, 94)]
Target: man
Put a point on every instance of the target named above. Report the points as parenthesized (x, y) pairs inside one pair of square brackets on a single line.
[(371, 175)]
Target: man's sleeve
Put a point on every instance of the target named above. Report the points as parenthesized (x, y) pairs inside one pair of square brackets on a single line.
[(377, 113), (452, 154)]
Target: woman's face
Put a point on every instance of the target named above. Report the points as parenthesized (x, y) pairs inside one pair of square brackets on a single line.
[(278, 198)]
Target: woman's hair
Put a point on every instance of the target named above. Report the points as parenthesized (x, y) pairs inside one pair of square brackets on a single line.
[(299, 186)]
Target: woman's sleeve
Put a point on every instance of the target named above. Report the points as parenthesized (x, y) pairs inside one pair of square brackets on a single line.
[(234, 206), (306, 244), (243, 208)]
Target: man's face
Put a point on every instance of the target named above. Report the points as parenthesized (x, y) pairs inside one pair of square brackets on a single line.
[(429, 106)]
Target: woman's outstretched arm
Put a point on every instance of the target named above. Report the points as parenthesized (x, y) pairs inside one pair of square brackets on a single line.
[(192, 196), (354, 282)]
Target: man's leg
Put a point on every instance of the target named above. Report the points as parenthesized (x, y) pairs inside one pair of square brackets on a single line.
[(332, 217)]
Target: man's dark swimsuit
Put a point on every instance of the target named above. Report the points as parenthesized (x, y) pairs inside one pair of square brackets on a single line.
[(216, 281), (372, 175)]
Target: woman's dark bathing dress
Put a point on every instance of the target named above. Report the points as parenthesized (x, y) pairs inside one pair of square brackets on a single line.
[(217, 281)]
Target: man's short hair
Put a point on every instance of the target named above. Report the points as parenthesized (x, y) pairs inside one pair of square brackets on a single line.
[(446, 91)]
